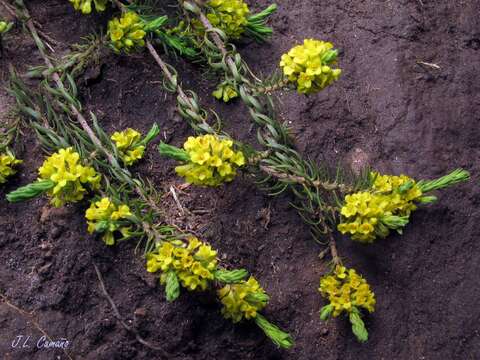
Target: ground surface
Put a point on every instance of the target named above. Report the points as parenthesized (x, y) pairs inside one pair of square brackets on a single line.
[(387, 110)]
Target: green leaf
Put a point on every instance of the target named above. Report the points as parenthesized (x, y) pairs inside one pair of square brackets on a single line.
[(173, 152), (455, 177), (152, 134), (325, 312), (427, 199), (405, 187), (30, 191), (395, 222), (358, 327), (231, 276), (279, 337), (155, 24), (258, 298), (102, 226), (256, 27), (172, 288)]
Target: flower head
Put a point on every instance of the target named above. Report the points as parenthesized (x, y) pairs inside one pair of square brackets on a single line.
[(85, 6), (346, 290), (128, 145), (387, 205), (229, 16), (242, 300), (7, 163), (70, 177), (309, 66), (105, 217), (193, 263), (212, 161), (127, 32), (225, 92)]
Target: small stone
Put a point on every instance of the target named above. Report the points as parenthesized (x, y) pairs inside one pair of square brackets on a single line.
[(324, 332), (141, 312), (56, 232), (358, 160)]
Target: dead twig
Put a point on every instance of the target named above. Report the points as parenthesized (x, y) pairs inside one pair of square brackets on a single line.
[(30, 317), (430, 65), (118, 316), (333, 250)]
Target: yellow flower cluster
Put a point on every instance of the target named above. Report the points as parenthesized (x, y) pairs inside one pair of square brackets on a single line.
[(365, 214), (387, 184), (64, 169), (345, 289), (7, 162), (127, 32), (127, 143), (212, 161), (194, 264), (225, 92), (229, 16), (308, 66), (85, 6), (105, 217), (242, 300)]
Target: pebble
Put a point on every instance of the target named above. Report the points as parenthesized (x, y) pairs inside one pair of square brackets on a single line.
[(141, 312), (56, 232)]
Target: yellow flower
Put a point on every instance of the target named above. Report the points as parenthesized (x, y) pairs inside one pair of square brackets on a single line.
[(106, 217), (7, 163), (345, 289), (309, 66), (225, 92), (242, 300), (128, 145), (229, 16), (194, 263), (212, 161), (368, 214), (127, 32), (85, 6), (69, 176)]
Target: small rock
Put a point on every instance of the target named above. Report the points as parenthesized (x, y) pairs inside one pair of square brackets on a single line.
[(324, 332), (56, 214), (358, 160), (56, 232), (141, 312)]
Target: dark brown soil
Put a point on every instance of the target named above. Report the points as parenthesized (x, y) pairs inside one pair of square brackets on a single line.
[(387, 111)]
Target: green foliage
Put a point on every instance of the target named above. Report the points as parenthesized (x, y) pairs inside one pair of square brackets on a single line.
[(256, 24), (231, 276), (326, 312), (5, 27), (455, 177), (172, 286), (30, 191), (358, 327), (278, 336), (173, 152)]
